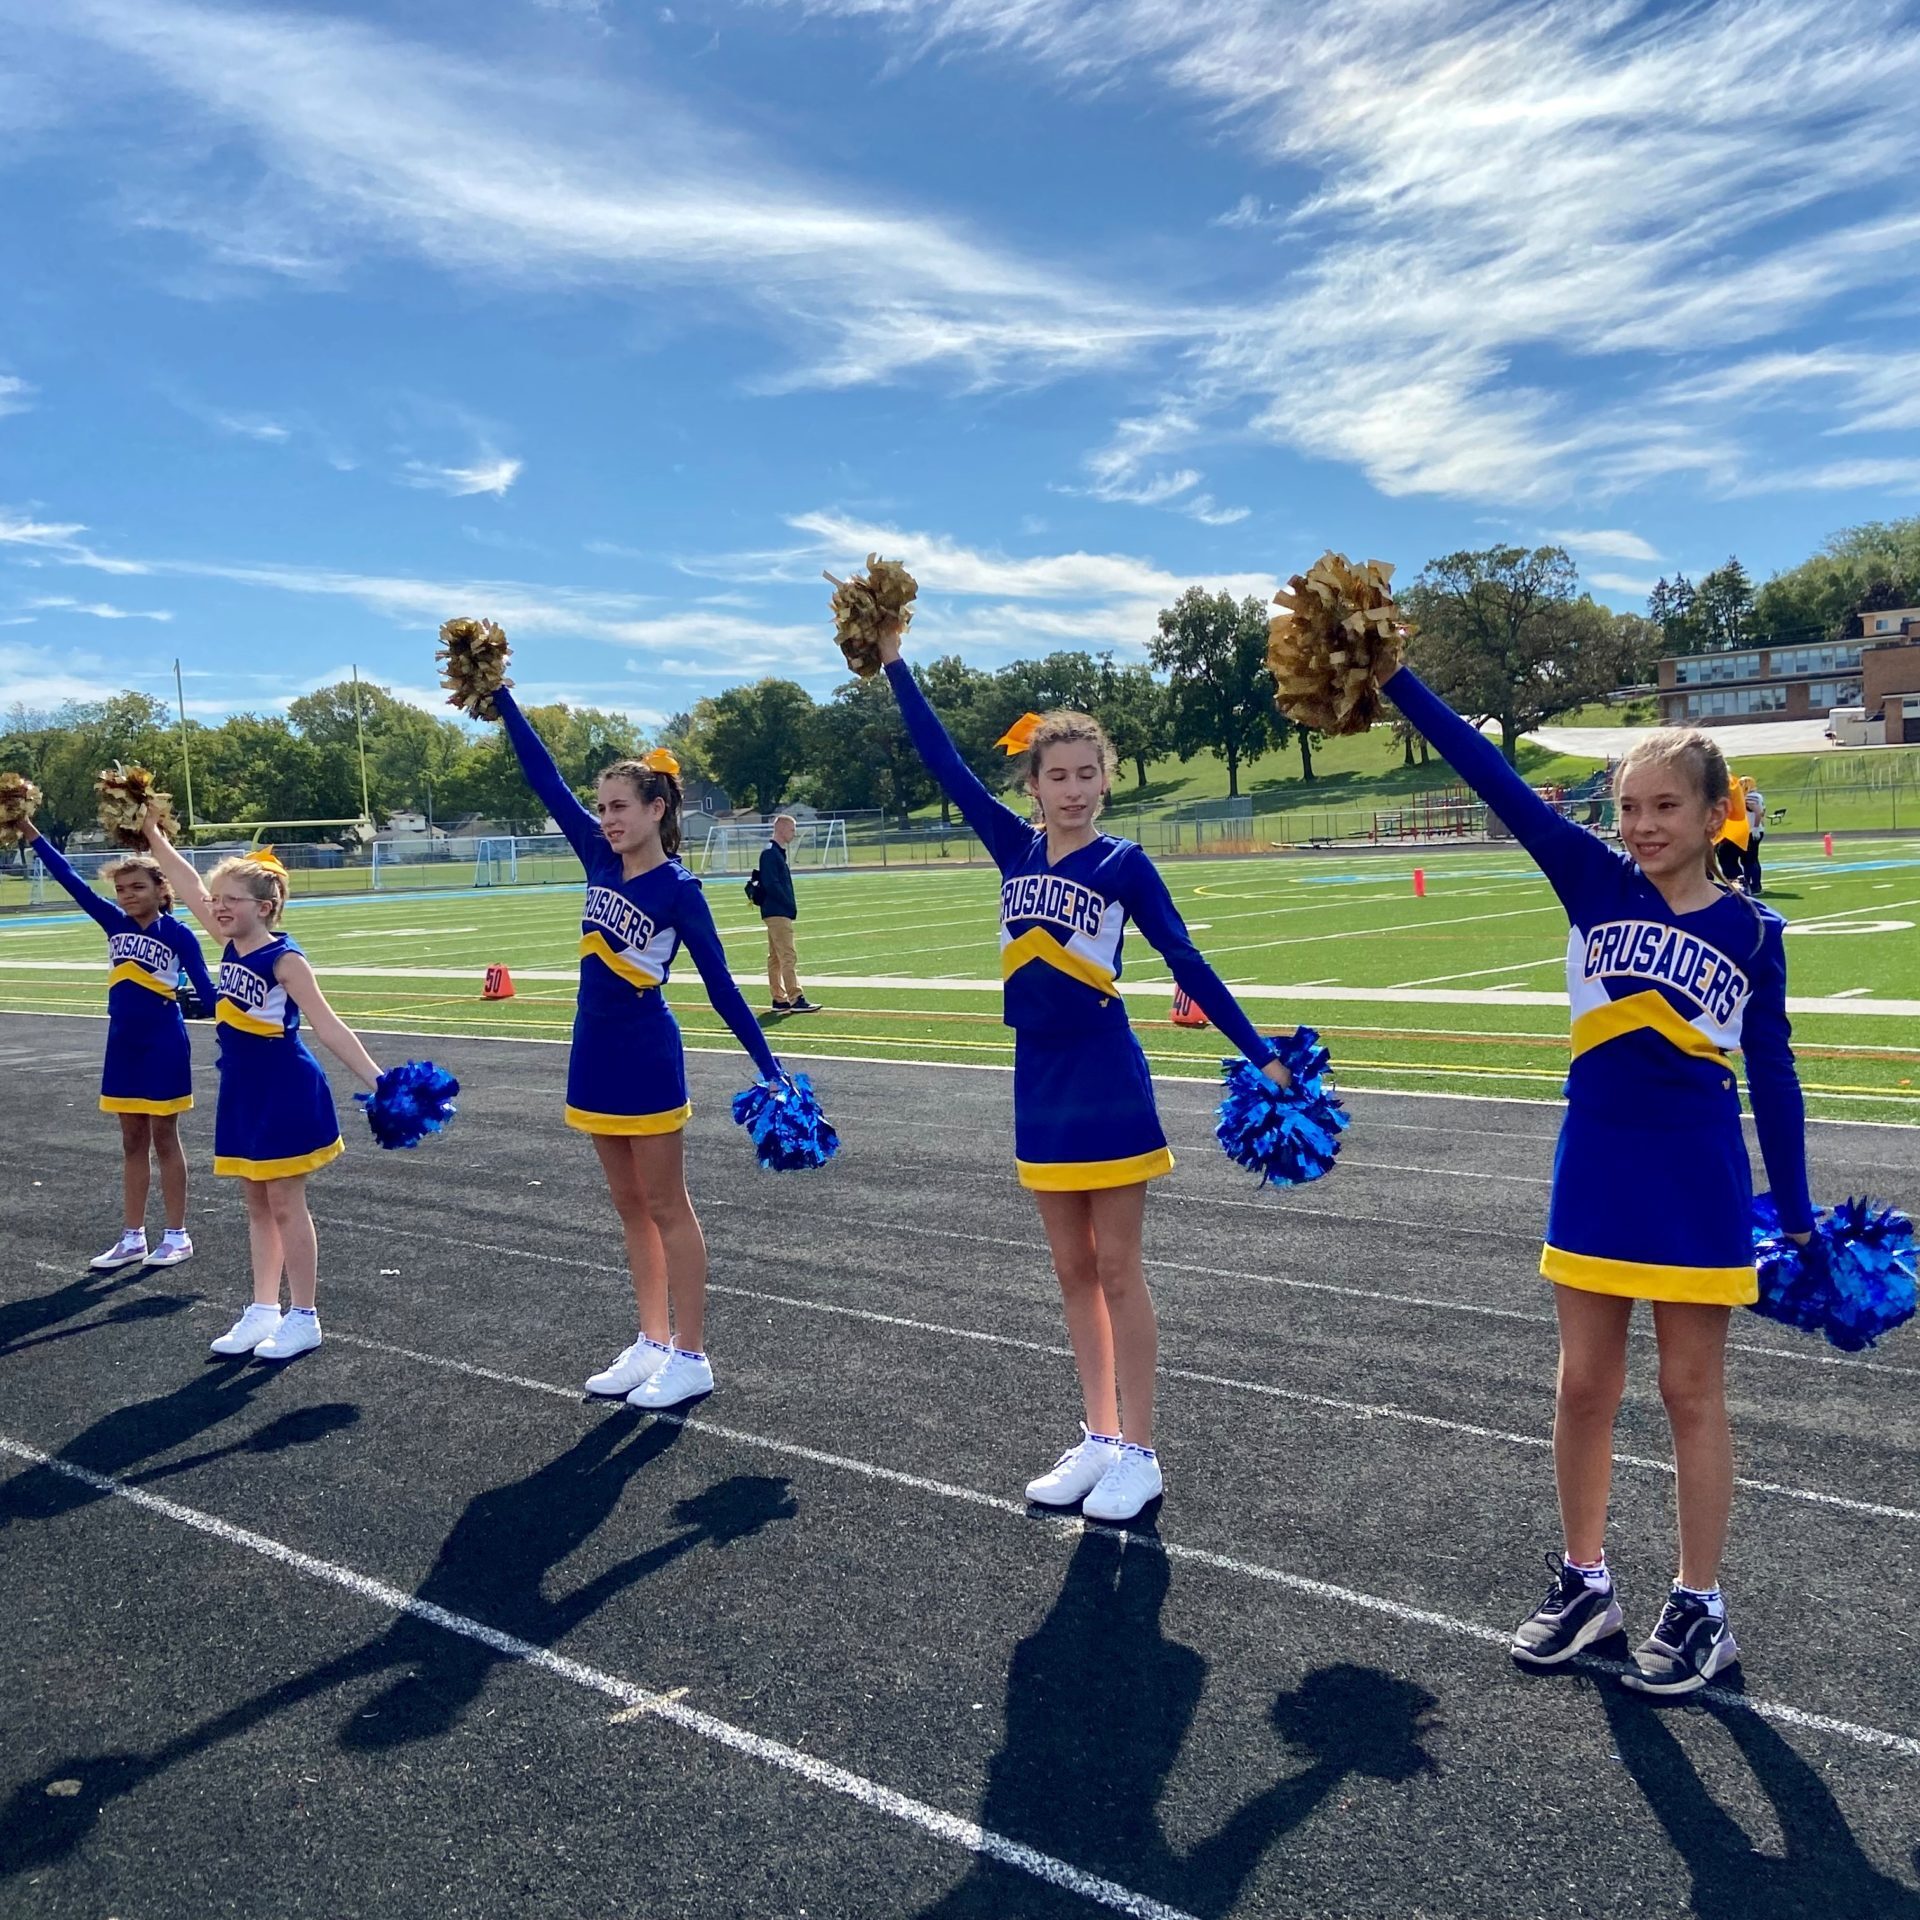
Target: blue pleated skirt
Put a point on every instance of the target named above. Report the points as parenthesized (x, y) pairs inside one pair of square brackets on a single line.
[(1651, 1212), (276, 1116), (627, 1073), (149, 1066), (1083, 1111)]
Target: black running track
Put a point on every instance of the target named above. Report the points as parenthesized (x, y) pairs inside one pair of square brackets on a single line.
[(411, 1628)]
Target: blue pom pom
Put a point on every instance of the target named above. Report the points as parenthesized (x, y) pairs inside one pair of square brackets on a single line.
[(1853, 1281), (409, 1102), (1286, 1135), (782, 1117)]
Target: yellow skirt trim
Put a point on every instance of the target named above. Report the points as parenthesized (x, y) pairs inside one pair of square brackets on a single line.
[(277, 1169), (670, 1121), (111, 1103), (1647, 1280), (1089, 1176)]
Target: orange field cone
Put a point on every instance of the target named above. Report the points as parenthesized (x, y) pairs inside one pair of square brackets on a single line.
[(499, 985), (1419, 883), (1185, 1013)]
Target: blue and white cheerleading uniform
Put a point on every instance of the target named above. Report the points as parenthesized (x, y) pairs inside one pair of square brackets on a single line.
[(149, 1066), (627, 1071), (1652, 1193), (276, 1116), (1083, 1108)]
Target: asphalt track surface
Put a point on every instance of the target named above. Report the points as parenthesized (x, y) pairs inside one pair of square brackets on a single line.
[(410, 1627)]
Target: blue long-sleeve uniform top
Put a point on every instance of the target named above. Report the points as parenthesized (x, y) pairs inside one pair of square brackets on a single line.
[(146, 961), (1062, 925), (1660, 999), (631, 930)]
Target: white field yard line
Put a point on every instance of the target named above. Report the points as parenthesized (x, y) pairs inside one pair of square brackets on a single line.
[(1350, 1598), (1132, 989), (1358, 1409), (930, 1820)]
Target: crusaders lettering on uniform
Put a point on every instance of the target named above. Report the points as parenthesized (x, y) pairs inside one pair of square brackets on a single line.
[(1054, 901), (616, 916), (144, 951), (243, 986), (1663, 956)]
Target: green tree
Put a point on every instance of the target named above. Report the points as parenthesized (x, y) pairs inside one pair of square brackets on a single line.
[(755, 739), (969, 703), (1877, 564), (63, 749), (860, 758), (1134, 708), (1670, 608), (1723, 607), (1213, 651), (1502, 635)]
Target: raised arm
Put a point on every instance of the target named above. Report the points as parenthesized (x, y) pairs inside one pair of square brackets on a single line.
[(1773, 1085), (1564, 852), (188, 888), (694, 919), (1005, 835), (1146, 898), (581, 828), (292, 972), (187, 949), (103, 912)]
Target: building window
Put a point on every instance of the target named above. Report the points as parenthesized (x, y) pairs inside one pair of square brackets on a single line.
[(1824, 694)]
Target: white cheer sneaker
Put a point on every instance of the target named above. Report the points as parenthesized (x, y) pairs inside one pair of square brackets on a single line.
[(1076, 1473), (125, 1252), (259, 1322), (683, 1377), (298, 1333), (171, 1251), (1127, 1487), (632, 1367)]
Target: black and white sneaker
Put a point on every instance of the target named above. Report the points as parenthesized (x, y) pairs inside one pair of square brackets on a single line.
[(1572, 1616), (1688, 1647), (803, 1005)]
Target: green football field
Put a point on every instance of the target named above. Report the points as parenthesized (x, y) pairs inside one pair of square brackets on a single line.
[(1460, 991)]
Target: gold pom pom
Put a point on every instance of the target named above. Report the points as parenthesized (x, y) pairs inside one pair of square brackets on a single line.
[(475, 653), (1336, 637), (862, 607), (18, 799), (124, 794)]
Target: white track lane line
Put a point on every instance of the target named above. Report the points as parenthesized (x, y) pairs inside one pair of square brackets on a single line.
[(1327, 1591), (1809, 1355), (1359, 1409), (930, 1820)]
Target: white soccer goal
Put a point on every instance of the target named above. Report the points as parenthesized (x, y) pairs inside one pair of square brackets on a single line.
[(735, 846), (498, 862)]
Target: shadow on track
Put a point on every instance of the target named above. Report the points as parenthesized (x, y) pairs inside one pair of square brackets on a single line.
[(492, 1567), (129, 1313), (1823, 1872), (1099, 1705), (122, 1439), (20, 1320)]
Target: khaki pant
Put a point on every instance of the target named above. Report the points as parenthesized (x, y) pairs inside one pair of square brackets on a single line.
[(782, 978)]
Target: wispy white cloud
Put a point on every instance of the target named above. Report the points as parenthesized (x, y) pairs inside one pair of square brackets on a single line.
[(1606, 543), (96, 609), (373, 142), (1895, 476), (58, 541), (491, 473), (15, 394), (1621, 583), (1499, 176)]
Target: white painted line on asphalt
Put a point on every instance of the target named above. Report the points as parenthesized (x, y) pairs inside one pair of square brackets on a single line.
[(930, 1820), (1360, 1409)]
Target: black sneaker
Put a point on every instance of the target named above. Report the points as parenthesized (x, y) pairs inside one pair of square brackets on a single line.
[(1687, 1648), (804, 1005), (781, 1006), (1572, 1616)]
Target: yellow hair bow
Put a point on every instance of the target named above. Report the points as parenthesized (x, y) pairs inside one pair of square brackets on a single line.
[(266, 857), (661, 761), (1019, 737)]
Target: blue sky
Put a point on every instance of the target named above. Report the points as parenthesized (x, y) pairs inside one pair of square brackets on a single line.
[(619, 321)]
